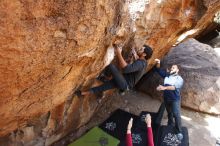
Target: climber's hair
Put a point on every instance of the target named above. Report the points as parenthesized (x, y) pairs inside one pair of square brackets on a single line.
[(148, 51)]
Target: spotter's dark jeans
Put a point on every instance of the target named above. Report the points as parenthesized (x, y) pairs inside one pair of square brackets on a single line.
[(173, 110)]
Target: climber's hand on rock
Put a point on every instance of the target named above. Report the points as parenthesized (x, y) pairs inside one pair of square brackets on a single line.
[(134, 53), (118, 49), (157, 61)]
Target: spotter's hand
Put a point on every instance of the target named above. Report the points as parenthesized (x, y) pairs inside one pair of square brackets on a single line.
[(157, 61), (161, 88)]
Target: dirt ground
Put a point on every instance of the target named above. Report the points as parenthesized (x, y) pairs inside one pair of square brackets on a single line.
[(203, 129)]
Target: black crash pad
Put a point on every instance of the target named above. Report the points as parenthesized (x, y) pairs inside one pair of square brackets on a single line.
[(167, 137), (116, 124)]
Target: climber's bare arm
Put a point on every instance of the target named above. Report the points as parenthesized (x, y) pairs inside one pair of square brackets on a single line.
[(122, 62), (162, 88)]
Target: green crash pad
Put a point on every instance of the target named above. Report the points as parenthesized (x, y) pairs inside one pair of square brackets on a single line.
[(96, 137)]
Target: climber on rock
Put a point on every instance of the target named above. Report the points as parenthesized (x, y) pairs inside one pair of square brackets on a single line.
[(173, 82), (131, 73)]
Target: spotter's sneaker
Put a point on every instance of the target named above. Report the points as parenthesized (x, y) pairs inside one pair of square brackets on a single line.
[(180, 136)]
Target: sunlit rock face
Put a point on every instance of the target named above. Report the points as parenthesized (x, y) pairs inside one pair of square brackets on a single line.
[(200, 69), (165, 23), (48, 49)]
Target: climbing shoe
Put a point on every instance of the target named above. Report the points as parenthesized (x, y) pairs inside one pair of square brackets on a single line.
[(121, 92)]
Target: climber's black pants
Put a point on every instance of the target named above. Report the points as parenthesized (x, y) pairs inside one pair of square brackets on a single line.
[(173, 110), (117, 81)]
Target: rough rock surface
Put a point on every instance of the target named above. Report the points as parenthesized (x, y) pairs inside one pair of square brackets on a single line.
[(50, 48), (200, 69)]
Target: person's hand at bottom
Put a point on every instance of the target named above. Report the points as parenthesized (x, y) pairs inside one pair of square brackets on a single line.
[(130, 123), (148, 120)]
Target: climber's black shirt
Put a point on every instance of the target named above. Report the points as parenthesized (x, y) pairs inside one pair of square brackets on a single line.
[(133, 72)]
